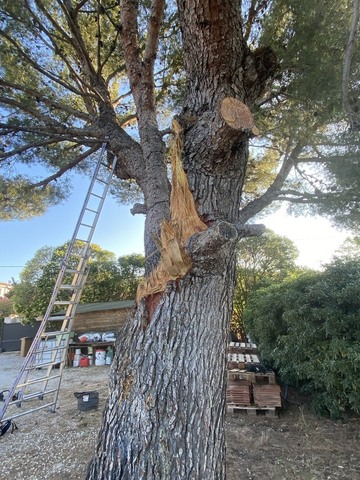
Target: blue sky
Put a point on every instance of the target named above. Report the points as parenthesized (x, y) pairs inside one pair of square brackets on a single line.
[(117, 230)]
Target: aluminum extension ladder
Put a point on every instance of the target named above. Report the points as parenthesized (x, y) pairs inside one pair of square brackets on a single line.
[(34, 389)]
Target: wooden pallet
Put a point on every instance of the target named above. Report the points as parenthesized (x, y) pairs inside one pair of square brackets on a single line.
[(242, 347), (252, 410), (241, 360), (257, 378)]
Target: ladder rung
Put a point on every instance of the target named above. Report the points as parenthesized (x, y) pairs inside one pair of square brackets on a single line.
[(64, 302), (58, 318), (21, 414), (55, 334), (32, 395), (70, 287), (96, 195), (47, 350), (86, 225), (91, 210), (78, 254), (35, 366), (38, 380), (100, 180), (72, 270)]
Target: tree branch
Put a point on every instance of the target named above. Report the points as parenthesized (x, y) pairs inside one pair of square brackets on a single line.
[(38, 68), (31, 111), (67, 167), (154, 23), (130, 41), (138, 208), (349, 51), (47, 101), (86, 135), (249, 230), (30, 146), (273, 191)]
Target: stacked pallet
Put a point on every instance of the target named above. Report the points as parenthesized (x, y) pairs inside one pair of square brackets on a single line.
[(254, 377), (242, 360), (267, 396), (253, 391), (242, 347)]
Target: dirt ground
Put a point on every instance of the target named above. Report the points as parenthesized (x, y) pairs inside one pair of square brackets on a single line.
[(296, 445)]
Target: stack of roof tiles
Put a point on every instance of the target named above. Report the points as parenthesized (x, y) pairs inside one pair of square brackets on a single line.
[(249, 388)]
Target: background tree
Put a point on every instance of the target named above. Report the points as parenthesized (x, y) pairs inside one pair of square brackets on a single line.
[(349, 249), (6, 307), (131, 270), (77, 74), (261, 261), (308, 329), (107, 280)]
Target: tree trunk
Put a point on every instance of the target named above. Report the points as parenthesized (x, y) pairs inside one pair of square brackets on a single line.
[(164, 418)]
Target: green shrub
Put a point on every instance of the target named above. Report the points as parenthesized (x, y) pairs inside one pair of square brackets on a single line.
[(309, 330)]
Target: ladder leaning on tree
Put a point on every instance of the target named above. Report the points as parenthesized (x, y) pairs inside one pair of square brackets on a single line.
[(49, 348)]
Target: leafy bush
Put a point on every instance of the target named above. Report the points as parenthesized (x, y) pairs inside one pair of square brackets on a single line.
[(309, 330)]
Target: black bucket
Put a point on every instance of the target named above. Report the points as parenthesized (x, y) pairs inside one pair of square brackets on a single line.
[(87, 400)]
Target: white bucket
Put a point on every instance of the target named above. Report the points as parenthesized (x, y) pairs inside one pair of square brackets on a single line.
[(76, 360), (100, 358)]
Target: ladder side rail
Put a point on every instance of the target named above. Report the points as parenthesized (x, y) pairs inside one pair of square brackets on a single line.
[(71, 310), (70, 315), (31, 356), (83, 262), (78, 281), (102, 199), (67, 324), (83, 209)]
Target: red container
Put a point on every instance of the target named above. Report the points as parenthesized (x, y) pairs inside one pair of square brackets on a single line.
[(84, 362)]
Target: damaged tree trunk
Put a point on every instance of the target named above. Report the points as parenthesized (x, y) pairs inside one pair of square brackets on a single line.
[(164, 419)]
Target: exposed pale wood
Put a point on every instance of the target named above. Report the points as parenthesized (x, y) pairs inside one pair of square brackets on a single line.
[(251, 410), (255, 131), (236, 114)]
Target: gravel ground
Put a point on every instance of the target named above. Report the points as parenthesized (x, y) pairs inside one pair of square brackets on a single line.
[(295, 446)]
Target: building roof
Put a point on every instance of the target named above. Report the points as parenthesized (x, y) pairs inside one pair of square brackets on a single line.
[(101, 306), (96, 307)]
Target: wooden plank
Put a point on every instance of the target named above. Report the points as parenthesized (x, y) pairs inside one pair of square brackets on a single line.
[(258, 378), (251, 410)]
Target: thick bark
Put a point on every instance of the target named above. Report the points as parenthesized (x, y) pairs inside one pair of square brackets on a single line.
[(164, 418), (165, 413)]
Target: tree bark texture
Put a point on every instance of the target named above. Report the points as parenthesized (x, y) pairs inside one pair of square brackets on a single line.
[(164, 419)]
